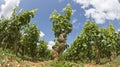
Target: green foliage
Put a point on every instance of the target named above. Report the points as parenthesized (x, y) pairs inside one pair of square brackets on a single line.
[(117, 40), (61, 27), (93, 44), (30, 39), (7, 56), (11, 29), (43, 53), (19, 35), (64, 64), (61, 22)]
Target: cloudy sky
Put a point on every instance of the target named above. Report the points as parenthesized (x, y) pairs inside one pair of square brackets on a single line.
[(101, 11)]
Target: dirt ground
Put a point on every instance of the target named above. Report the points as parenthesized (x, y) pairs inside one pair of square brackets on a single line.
[(26, 64), (44, 64)]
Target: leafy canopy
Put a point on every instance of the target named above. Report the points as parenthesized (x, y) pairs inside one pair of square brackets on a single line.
[(61, 22)]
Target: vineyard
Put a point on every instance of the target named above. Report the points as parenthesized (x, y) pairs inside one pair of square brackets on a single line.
[(20, 42)]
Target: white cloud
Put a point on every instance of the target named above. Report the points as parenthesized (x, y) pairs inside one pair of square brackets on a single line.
[(73, 11), (1, 1), (118, 29), (42, 34), (74, 21), (77, 25), (101, 10), (7, 7), (50, 44), (60, 1)]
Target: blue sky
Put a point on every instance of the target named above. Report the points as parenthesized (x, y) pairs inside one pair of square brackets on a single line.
[(99, 10), (45, 8)]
